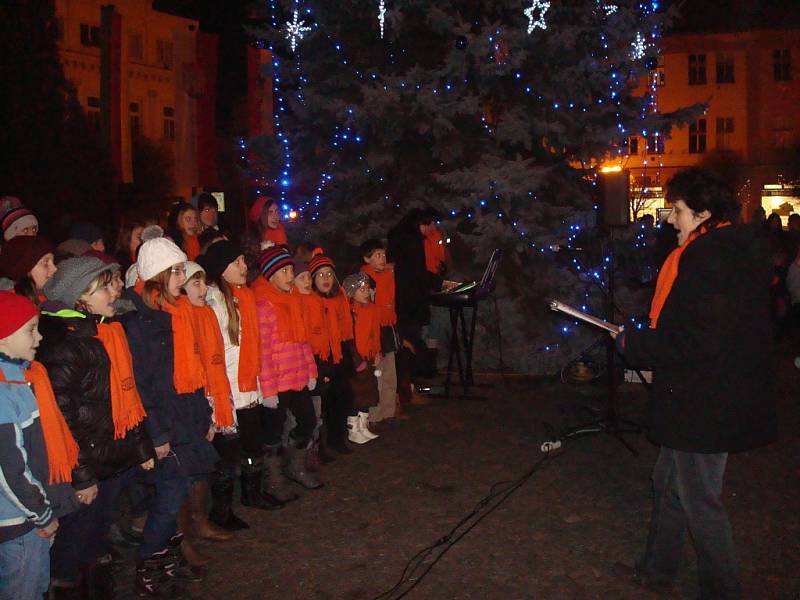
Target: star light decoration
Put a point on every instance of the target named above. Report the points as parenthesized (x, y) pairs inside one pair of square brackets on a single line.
[(638, 46), (382, 15), (295, 30), (542, 6), (610, 9)]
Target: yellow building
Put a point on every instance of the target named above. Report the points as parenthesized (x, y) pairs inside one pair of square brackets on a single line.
[(751, 83)]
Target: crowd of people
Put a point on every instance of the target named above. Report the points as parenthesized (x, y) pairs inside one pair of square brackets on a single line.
[(158, 373)]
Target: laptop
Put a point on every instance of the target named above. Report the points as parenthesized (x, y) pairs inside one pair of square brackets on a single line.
[(486, 279)]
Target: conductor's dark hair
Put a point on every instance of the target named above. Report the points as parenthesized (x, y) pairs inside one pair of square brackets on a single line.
[(701, 189)]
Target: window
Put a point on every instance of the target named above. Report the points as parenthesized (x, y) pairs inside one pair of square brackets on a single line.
[(135, 119), (781, 135), (93, 113), (782, 64), (164, 53), (697, 137), (697, 69), (90, 35), (633, 146), (724, 132), (135, 46), (655, 144), (169, 123), (724, 68)]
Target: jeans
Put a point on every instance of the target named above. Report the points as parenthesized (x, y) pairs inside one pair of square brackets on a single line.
[(687, 488), (24, 567), (161, 525), (82, 536)]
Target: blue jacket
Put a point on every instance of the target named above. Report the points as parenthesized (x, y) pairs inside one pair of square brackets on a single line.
[(180, 419), (26, 499)]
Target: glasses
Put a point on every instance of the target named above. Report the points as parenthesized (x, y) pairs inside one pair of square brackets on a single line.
[(178, 270)]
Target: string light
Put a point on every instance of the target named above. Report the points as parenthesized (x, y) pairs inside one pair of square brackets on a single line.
[(295, 30), (533, 22), (382, 15)]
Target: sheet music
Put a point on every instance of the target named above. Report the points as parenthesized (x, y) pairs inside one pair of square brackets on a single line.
[(585, 317)]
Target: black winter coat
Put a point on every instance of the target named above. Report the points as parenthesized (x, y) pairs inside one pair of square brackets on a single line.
[(711, 353), (79, 370), (182, 420)]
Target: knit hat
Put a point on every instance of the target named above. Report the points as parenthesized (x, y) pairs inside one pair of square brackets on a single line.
[(15, 311), (152, 232), (74, 275), (319, 261), (273, 260), (20, 255), (73, 247), (192, 269), (131, 276), (88, 232), (14, 217), (106, 258), (158, 255), (300, 266), (352, 282), (258, 206), (217, 258)]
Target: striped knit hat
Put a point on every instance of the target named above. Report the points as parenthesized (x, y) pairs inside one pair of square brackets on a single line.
[(319, 261), (15, 217), (273, 260)]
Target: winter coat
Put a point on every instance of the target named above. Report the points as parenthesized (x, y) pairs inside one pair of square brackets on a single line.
[(27, 500), (711, 353), (182, 420), (79, 370)]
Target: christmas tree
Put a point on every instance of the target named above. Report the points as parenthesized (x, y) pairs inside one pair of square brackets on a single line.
[(496, 114)]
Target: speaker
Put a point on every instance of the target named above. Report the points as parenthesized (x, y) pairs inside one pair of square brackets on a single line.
[(615, 204)]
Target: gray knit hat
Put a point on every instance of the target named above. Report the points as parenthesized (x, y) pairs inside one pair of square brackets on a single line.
[(352, 282), (74, 275)]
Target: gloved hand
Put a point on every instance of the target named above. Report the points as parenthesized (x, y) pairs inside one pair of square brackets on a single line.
[(312, 383), (270, 402), (362, 366)]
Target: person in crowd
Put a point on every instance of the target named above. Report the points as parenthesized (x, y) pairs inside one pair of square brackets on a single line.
[(373, 253), (435, 255), (366, 355), (169, 374), (15, 219), (330, 331), (89, 233), (37, 457), (234, 306), (70, 249), (208, 211), (91, 370), (270, 225), (287, 374), (709, 345), (184, 227), (307, 251), (129, 238), (209, 237), (27, 263)]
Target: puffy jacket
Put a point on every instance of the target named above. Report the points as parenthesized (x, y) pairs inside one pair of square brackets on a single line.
[(79, 370)]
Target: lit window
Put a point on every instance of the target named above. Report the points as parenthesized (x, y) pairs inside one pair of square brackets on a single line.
[(697, 137)]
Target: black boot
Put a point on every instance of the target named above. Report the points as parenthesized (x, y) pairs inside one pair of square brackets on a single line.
[(297, 471), (154, 577), (275, 483), (325, 456), (222, 502), (254, 494), (180, 569), (99, 580)]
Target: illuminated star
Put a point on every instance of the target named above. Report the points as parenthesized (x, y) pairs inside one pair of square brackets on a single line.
[(542, 6), (638, 47), (295, 30), (382, 15)]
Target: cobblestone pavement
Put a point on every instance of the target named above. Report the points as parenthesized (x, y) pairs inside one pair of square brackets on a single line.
[(557, 536)]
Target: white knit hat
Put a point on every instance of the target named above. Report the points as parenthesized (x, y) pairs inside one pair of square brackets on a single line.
[(158, 255), (192, 268), (131, 276)]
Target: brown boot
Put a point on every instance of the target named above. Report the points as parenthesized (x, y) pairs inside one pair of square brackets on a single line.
[(199, 493), (192, 555)]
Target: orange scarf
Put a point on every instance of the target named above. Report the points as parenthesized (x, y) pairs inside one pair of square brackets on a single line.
[(277, 235), (212, 352), (191, 245), (434, 250), (384, 293), (669, 273), (187, 367), (62, 450), (340, 306), (288, 311), (249, 359), (126, 405), (367, 329), (322, 324)]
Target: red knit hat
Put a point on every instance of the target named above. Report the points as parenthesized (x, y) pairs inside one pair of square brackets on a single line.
[(273, 260), (20, 255), (15, 311), (319, 261)]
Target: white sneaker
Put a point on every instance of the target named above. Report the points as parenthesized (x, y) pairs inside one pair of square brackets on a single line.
[(363, 423), (354, 433)]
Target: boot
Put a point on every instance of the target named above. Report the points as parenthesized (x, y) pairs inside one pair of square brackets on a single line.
[(254, 493), (312, 458), (296, 469), (98, 580), (181, 569), (363, 424), (154, 577), (73, 591), (198, 509), (274, 482), (325, 456), (221, 503), (354, 433), (418, 399), (192, 555)]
